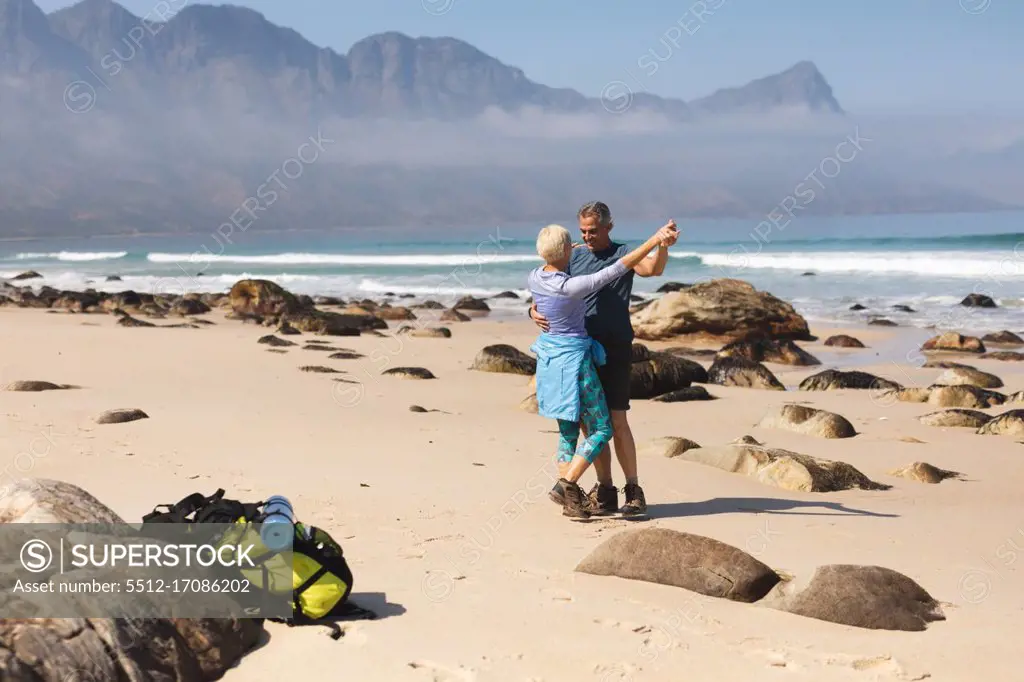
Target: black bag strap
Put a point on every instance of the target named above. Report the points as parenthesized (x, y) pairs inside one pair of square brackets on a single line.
[(227, 511), (319, 573), (179, 513), (204, 509)]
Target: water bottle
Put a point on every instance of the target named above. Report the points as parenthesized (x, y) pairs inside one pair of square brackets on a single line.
[(278, 523)]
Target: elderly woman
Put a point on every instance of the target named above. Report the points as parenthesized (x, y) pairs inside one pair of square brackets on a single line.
[(568, 387)]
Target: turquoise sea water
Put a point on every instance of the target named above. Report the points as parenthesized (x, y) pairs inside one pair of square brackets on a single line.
[(927, 262)]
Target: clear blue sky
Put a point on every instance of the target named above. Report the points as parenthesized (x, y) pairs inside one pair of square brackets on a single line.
[(880, 56)]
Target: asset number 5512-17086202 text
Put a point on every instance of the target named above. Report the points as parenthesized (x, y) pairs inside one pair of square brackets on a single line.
[(157, 585)]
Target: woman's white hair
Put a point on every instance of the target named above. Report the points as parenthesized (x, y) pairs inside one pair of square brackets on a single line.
[(552, 242)]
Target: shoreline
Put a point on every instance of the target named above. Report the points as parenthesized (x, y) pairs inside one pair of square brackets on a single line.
[(894, 343), (395, 294)]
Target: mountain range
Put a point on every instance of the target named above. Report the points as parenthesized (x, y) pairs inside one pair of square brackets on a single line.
[(113, 123), (210, 53)]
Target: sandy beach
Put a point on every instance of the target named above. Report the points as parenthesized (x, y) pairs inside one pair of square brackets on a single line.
[(445, 520)]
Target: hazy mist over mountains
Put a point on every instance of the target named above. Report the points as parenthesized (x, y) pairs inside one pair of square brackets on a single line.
[(114, 124)]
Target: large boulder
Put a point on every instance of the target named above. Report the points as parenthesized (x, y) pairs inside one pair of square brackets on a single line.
[(957, 376), (833, 379), (693, 562), (394, 313), (781, 351), (923, 472), (844, 341), (419, 373), (954, 343), (743, 373), (330, 323), (43, 500), (260, 297), (1003, 338), (472, 306), (505, 359), (860, 596), (964, 395), (132, 299), (274, 341), (1007, 424), (453, 316), (956, 418), (655, 373), (978, 301), (121, 416), (782, 468), (684, 395), (134, 650), (188, 306), (34, 386), (724, 309), (808, 421), (77, 301)]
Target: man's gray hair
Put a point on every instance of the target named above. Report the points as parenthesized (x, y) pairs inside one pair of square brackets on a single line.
[(596, 209)]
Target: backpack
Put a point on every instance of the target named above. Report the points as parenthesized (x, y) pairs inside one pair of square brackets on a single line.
[(321, 580)]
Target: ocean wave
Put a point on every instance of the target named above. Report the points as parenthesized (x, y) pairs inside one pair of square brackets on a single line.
[(482, 257), (333, 285), (965, 264), (72, 255), (691, 257), (978, 242), (373, 286)]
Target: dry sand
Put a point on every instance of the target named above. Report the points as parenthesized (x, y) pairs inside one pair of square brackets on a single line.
[(446, 523)]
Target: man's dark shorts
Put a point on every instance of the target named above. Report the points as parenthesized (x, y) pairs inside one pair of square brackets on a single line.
[(615, 373)]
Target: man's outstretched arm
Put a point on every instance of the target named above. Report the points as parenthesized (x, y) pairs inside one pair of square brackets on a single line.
[(653, 265)]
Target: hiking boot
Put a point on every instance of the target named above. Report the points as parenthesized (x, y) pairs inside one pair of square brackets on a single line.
[(603, 500), (575, 501), (635, 501), (557, 494)]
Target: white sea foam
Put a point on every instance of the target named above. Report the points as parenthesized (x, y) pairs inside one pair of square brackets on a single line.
[(486, 254), (961, 264), (72, 255), (445, 287)]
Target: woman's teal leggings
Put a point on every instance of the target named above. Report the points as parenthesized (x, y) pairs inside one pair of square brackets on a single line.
[(594, 415)]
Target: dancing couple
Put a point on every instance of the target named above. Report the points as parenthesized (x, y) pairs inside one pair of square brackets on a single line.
[(581, 299)]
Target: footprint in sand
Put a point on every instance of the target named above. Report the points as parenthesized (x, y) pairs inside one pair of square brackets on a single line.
[(440, 673), (654, 638), (638, 628), (774, 658), (615, 672), (557, 595), (884, 665), (880, 667)]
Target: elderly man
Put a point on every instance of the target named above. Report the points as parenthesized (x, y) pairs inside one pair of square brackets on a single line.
[(608, 321)]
